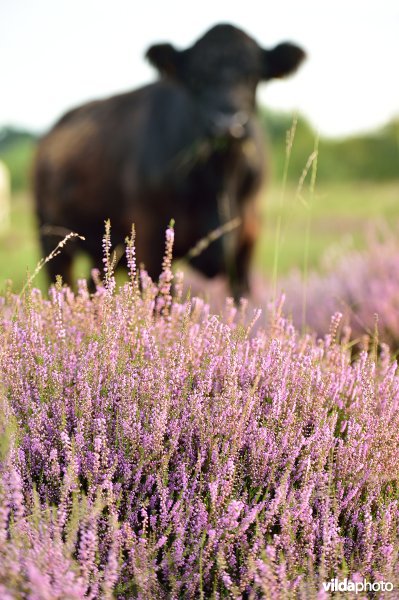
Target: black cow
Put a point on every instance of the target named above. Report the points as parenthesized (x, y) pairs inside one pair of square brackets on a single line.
[(187, 147)]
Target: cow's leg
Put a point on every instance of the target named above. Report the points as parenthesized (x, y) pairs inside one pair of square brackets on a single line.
[(151, 255), (212, 260), (239, 279), (247, 236), (150, 242)]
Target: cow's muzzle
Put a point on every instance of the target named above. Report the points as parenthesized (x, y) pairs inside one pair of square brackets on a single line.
[(231, 125)]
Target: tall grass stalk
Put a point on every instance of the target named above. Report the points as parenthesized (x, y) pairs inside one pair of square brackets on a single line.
[(312, 163), (43, 261), (277, 241)]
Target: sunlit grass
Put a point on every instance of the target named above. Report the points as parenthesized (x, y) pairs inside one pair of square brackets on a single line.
[(20, 250), (341, 214)]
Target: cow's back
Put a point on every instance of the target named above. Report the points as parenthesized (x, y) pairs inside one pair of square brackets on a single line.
[(103, 154)]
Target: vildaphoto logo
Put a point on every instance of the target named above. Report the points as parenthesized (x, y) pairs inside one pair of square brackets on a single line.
[(347, 585)]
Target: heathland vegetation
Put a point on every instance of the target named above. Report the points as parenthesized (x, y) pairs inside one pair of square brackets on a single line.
[(154, 447)]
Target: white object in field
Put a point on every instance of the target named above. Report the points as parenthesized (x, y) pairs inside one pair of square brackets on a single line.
[(5, 197)]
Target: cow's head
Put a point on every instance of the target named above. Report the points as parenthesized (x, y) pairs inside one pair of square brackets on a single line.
[(222, 70)]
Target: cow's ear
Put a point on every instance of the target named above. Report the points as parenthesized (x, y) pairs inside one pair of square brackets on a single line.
[(165, 58), (282, 60)]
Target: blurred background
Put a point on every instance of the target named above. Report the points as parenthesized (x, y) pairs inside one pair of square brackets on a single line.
[(344, 102)]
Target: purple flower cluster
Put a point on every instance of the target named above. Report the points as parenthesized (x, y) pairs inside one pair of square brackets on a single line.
[(362, 284), (152, 449)]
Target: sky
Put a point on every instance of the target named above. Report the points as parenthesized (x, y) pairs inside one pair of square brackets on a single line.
[(56, 54)]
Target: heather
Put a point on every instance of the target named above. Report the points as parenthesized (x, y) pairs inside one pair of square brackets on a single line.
[(153, 449), (361, 284)]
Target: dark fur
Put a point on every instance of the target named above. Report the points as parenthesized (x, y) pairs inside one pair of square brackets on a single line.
[(187, 147)]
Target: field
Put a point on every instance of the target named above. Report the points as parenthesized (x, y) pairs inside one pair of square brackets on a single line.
[(155, 447), (150, 449), (338, 215)]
